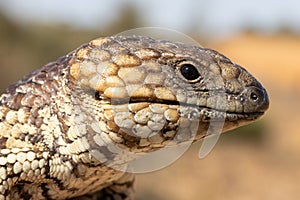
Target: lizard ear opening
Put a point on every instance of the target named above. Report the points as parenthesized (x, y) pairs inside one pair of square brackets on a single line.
[(97, 95), (189, 71)]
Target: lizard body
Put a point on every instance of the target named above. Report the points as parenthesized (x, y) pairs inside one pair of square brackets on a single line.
[(65, 127)]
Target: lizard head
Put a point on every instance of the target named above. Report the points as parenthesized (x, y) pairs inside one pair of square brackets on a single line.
[(148, 92)]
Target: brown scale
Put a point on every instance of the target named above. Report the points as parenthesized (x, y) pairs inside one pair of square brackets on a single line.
[(70, 128)]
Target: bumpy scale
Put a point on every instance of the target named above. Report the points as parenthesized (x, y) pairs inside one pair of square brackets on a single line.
[(69, 129)]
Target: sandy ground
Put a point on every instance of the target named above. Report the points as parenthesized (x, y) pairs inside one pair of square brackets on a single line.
[(238, 170)]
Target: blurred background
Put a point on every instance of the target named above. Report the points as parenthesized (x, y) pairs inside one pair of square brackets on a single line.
[(257, 162)]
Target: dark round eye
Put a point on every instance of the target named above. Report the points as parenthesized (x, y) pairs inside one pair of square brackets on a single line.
[(189, 72)]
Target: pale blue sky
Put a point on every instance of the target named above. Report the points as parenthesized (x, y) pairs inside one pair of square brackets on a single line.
[(211, 16)]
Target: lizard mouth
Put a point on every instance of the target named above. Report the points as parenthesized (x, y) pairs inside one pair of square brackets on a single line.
[(208, 113)]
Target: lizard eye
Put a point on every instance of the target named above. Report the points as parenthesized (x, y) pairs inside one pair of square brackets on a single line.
[(189, 72)]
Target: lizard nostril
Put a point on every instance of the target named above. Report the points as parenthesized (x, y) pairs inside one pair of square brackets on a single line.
[(254, 96), (258, 97)]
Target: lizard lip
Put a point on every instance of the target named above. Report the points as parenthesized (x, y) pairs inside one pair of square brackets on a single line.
[(214, 111)]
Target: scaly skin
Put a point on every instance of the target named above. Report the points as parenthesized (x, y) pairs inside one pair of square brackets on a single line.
[(69, 129)]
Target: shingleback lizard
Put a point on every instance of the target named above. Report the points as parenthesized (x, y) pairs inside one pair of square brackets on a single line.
[(62, 126)]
